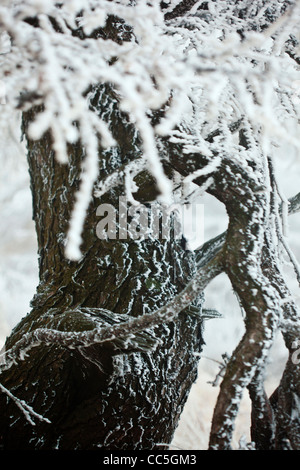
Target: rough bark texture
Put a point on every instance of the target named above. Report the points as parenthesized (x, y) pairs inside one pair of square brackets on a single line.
[(255, 275), (112, 397), (129, 394)]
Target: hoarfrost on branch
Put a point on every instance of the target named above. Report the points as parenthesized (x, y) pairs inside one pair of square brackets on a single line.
[(224, 74)]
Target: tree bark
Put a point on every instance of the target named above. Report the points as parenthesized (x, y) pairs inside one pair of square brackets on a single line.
[(124, 394)]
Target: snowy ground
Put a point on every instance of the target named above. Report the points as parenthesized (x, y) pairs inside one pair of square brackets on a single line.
[(19, 278)]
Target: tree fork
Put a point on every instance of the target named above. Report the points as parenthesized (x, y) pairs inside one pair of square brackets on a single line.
[(99, 396)]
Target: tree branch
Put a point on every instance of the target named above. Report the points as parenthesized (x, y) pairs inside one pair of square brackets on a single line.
[(262, 415), (294, 204), (181, 9), (218, 242), (261, 296), (126, 329)]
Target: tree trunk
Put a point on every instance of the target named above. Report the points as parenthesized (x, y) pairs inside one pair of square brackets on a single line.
[(125, 394)]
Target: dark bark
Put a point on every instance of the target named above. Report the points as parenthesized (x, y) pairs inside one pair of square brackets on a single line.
[(117, 396), (181, 9), (128, 394), (275, 420)]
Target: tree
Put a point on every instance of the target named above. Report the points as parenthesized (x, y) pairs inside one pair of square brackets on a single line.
[(149, 104)]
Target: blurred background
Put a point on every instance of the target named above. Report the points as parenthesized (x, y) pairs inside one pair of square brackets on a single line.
[(19, 278)]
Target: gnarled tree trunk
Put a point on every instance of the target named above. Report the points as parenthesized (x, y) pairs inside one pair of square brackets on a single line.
[(125, 394)]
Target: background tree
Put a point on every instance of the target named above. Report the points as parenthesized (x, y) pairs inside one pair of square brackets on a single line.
[(158, 102)]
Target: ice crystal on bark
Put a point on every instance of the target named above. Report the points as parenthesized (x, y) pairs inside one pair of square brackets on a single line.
[(210, 89)]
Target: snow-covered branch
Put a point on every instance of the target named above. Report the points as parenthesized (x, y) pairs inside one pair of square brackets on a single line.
[(206, 57), (210, 89), (27, 410), (294, 204), (125, 330)]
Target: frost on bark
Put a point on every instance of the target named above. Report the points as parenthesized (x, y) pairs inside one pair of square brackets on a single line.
[(249, 257), (176, 93), (123, 394)]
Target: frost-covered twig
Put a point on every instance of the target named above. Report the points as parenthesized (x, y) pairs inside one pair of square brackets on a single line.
[(27, 410), (281, 211), (222, 369), (126, 329)]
